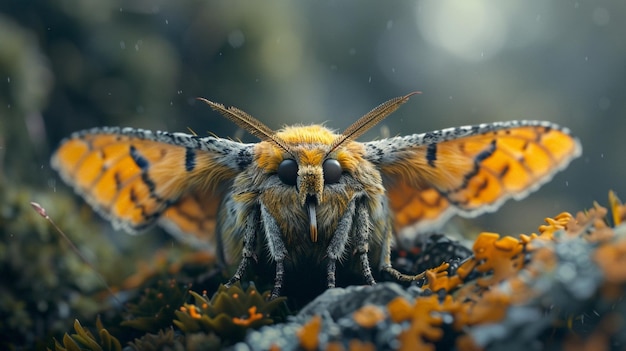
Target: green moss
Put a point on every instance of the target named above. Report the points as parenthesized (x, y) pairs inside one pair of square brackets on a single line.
[(156, 306), (229, 313), (83, 339), (165, 339)]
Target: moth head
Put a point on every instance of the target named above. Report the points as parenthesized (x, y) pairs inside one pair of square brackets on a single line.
[(307, 168), (308, 157)]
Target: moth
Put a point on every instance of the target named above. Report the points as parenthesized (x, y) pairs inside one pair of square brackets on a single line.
[(304, 196)]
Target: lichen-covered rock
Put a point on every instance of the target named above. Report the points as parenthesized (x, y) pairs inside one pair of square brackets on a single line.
[(563, 287)]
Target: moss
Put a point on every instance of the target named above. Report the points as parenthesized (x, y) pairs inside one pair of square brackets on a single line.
[(50, 286), (165, 339), (229, 313), (83, 339), (156, 306)]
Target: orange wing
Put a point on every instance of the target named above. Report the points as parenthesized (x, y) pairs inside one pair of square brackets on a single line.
[(135, 177), (467, 170)]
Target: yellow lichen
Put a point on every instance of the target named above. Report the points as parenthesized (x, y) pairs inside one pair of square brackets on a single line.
[(399, 309), (308, 335), (368, 316), (254, 316)]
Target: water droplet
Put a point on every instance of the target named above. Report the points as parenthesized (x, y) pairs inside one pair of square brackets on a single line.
[(389, 24), (369, 80), (8, 79), (179, 92), (167, 22), (122, 45)]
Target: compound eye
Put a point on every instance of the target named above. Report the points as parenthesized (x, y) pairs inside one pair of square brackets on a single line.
[(332, 171), (288, 171)]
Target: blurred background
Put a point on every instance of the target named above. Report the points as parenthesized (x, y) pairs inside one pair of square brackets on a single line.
[(67, 65)]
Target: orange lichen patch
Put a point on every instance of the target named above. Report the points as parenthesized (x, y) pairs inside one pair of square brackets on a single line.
[(437, 282), (466, 268), (399, 309), (490, 308), (193, 311), (425, 325), (254, 316), (437, 278), (368, 316), (525, 239), (513, 265), (441, 270), (590, 225), (612, 260), (335, 346), (358, 345), (555, 224), (501, 256), (308, 335), (466, 343)]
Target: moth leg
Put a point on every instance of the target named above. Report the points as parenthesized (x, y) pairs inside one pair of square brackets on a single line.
[(401, 277), (248, 252), (276, 247), (363, 228), (396, 274), (337, 245), (386, 262)]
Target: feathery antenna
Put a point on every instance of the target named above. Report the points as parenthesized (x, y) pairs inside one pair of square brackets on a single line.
[(370, 119), (248, 123)]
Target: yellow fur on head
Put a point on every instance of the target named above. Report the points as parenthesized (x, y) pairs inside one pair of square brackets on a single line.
[(313, 134), (308, 144), (300, 138)]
